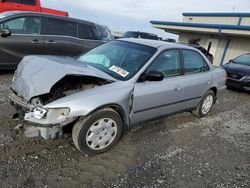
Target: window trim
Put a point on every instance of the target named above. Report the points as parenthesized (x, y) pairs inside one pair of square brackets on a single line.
[(181, 70), (183, 62)]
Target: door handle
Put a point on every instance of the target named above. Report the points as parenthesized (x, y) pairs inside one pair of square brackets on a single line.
[(50, 42), (178, 88), (36, 41)]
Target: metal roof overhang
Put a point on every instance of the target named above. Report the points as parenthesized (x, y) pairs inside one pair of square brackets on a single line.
[(179, 27)]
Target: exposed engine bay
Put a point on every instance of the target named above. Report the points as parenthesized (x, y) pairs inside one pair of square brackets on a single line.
[(70, 84)]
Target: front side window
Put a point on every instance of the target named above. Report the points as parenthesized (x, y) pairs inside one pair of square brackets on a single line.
[(60, 27), (168, 63), (194, 62), (121, 60), (23, 25)]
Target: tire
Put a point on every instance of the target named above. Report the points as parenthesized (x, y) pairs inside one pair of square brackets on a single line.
[(199, 111), (98, 132)]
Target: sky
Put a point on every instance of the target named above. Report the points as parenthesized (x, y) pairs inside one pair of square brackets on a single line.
[(135, 15)]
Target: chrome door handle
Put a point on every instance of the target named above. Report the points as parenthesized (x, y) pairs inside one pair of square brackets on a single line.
[(50, 42), (36, 41), (178, 88)]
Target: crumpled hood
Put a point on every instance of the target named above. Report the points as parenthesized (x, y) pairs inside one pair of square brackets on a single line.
[(36, 75)]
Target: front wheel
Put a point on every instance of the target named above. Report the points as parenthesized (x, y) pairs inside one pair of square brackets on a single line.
[(98, 132), (205, 105)]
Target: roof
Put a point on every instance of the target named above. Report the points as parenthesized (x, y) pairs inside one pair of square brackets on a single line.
[(154, 43), (219, 14), (14, 13), (201, 25)]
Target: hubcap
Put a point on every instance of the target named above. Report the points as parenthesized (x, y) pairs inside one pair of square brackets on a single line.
[(207, 104), (101, 134)]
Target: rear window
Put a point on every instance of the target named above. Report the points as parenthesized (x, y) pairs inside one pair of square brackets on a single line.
[(25, 2), (60, 27), (28, 2)]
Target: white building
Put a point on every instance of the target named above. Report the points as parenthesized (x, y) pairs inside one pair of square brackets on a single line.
[(227, 35)]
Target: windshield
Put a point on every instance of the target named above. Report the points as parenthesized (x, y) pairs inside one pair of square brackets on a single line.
[(243, 59), (129, 34), (121, 60)]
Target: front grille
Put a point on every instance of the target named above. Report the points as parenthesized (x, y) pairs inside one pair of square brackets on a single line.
[(234, 76)]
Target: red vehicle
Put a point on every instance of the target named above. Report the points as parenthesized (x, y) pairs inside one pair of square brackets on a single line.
[(28, 5)]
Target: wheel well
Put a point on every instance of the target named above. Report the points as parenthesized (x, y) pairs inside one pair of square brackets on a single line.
[(214, 89), (117, 108), (120, 111)]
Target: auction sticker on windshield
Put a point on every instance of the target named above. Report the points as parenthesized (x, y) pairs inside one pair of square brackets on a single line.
[(119, 71)]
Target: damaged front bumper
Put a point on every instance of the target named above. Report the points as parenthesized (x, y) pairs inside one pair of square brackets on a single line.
[(49, 122)]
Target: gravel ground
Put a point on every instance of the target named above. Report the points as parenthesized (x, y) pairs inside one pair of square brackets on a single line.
[(178, 151)]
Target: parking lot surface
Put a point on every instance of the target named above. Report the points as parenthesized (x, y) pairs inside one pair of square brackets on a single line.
[(177, 151)]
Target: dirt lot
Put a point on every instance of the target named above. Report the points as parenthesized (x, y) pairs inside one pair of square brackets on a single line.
[(178, 151)]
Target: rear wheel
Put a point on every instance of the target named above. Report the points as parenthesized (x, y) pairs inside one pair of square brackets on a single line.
[(98, 132), (205, 105)]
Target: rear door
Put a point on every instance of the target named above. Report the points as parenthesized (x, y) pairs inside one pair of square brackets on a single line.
[(198, 78), (24, 40), (61, 37)]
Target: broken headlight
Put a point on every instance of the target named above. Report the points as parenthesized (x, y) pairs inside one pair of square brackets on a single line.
[(38, 113), (50, 114)]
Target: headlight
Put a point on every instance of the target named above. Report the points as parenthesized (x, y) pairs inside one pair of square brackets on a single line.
[(38, 113), (50, 114)]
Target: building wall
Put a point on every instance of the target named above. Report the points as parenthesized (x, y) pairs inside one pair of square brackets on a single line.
[(245, 21), (212, 20), (236, 46)]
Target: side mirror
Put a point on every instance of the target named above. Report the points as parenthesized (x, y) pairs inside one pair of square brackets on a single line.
[(154, 76), (230, 61), (5, 33)]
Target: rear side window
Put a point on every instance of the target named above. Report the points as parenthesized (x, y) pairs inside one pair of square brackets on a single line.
[(194, 62), (86, 31), (60, 27), (23, 25), (28, 2)]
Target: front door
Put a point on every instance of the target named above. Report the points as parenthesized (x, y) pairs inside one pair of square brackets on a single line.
[(24, 40), (157, 98)]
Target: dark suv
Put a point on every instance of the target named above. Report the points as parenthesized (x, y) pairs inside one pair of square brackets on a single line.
[(45, 34), (138, 34)]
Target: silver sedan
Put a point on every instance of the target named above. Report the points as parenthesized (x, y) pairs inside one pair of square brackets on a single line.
[(113, 87)]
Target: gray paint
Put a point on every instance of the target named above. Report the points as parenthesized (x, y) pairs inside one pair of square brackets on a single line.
[(150, 99)]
